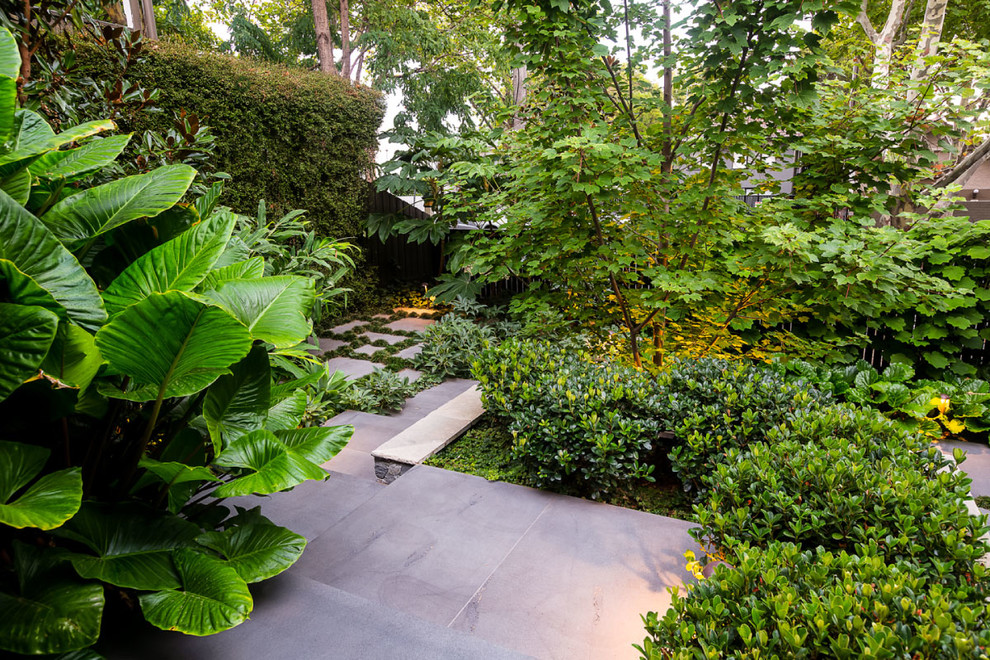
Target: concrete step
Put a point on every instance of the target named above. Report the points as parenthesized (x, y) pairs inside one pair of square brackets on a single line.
[(435, 431)]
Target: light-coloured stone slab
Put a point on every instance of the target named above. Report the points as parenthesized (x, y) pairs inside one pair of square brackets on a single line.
[(348, 326), (415, 310), (375, 336), (411, 352), (352, 367), (368, 349), (435, 431), (411, 324), (382, 316), (327, 345), (411, 374)]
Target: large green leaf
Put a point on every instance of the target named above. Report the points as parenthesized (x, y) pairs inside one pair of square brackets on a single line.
[(33, 138), (73, 358), (238, 402), (178, 265), (26, 334), (275, 309), (242, 270), (32, 250), (179, 479), (49, 502), (317, 444), (268, 463), (98, 210), (52, 613), (212, 598), (18, 186), (133, 546), (10, 69), (257, 551), (172, 344), (288, 412), (74, 163)]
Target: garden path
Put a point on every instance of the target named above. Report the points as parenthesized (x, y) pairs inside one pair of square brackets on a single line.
[(442, 565)]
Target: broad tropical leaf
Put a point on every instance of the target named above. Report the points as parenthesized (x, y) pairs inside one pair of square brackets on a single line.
[(172, 344), (18, 186), (10, 69), (32, 250), (33, 138), (178, 265), (208, 202), (242, 270), (74, 163), (98, 210), (287, 413), (132, 546), (73, 358), (51, 613), (238, 402), (49, 502), (269, 465), (179, 479), (275, 309), (257, 551), (212, 597), (317, 444), (26, 334)]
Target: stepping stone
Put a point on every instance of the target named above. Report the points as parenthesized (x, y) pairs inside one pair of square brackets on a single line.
[(352, 367), (375, 336), (411, 324), (382, 316), (348, 326), (411, 374), (435, 431), (327, 345), (368, 349), (416, 310), (411, 352)]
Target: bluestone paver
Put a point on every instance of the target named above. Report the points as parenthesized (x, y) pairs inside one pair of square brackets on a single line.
[(345, 327), (327, 345), (435, 431), (411, 324), (376, 336), (410, 352), (977, 464), (352, 367)]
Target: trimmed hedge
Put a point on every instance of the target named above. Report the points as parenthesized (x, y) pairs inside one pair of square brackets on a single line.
[(295, 138)]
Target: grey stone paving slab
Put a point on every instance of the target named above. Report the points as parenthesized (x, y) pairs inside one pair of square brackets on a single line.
[(410, 352), (426, 543), (435, 431), (353, 463), (429, 400), (326, 345), (411, 374), (312, 507), (354, 368), (368, 349), (411, 324), (382, 316), (300, 619), (977, 464), (578, 581), (391, 339), (344, 327)]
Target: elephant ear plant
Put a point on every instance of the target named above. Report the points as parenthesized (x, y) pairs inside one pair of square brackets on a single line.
[(135, 393)]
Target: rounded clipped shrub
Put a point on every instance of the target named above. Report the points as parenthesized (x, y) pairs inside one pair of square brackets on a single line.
[(579, 426), (713, 405), (843, 479), (786, 602)]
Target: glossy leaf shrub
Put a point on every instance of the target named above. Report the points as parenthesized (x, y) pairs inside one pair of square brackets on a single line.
[(786, 602), (451, 344), (578, 426), (844, 479), (714, 405)]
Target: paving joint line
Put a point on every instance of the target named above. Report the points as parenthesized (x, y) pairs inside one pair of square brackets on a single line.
[(499, 565)]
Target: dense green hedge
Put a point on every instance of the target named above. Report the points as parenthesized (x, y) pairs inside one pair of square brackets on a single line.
[(297, 139)]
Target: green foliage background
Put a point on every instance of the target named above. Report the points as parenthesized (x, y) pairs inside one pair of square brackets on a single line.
[(296, 139)]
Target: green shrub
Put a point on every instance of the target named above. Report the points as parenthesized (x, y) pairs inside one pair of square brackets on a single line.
[(843, 479), (785, 602), (450, 345), (295, 138), (714, 405), (578, 426), (379, 392)]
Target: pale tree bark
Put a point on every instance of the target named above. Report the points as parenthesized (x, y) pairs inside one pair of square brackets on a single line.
[(931, 34), (518, 94), (150, 27), (964, 169), (884, 40), (345, 39), (324, 47)]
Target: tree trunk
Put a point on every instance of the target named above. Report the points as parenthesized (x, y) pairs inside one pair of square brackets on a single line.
[(324, 47), (150, 27), (345, 39), (931, 34), (884, 40), (518, 95)]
